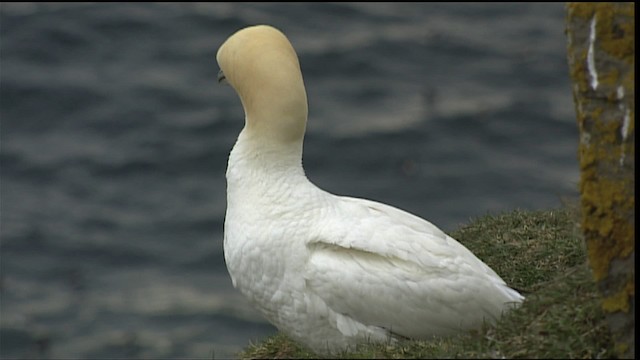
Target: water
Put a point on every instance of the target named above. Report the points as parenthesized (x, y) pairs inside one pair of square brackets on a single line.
[(114, 139)]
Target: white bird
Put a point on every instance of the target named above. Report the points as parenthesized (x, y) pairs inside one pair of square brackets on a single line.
[(327, 270)]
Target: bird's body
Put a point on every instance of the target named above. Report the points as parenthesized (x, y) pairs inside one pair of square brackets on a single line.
[(332, 271)]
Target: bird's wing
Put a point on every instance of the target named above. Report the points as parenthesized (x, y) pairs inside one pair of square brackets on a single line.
[(384, 267)]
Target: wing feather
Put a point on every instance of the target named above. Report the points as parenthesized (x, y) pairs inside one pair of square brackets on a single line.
[(398, 271)]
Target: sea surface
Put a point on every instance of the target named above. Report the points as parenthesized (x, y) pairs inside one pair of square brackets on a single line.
[(115, 134)]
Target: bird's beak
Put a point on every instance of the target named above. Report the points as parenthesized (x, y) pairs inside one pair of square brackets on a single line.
[(221, 78)]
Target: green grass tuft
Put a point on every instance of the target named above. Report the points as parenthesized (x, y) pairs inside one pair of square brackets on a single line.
[(542, 254)]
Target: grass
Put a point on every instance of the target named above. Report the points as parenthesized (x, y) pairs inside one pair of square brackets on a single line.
[(542, 254)]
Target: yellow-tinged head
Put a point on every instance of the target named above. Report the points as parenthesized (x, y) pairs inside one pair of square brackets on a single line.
[(262, 66)]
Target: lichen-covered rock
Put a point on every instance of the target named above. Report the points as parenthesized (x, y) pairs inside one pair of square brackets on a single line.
[(601, 54)]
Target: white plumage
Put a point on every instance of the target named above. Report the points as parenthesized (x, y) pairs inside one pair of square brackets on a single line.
[(331, 271)]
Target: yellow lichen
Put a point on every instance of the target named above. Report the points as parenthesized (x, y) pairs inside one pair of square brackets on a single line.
[(615, 35), (607, 201), (620, 300), (579, 9), (579, 71), (608, 232), (621, 348), (606, 121), (616, 40)]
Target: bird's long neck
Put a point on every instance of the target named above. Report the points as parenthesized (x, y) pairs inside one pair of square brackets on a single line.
[(261, 160), (276, 111)]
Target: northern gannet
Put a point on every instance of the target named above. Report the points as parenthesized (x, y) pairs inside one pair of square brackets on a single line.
[(331, 271)]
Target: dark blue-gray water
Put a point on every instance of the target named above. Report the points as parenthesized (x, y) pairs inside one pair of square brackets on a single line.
[(115, 136)]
